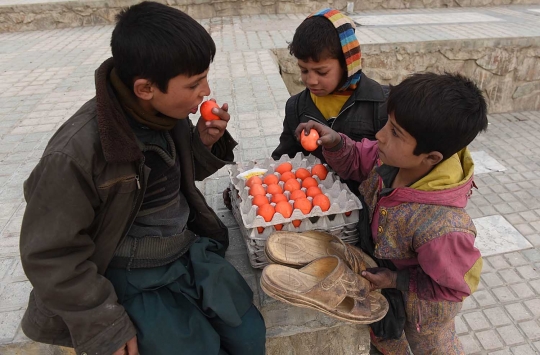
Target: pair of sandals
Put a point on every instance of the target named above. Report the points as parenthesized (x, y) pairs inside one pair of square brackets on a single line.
[(317, 270)]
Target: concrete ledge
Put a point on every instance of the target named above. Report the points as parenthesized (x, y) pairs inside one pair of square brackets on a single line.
[(506, 69), (30, 15)]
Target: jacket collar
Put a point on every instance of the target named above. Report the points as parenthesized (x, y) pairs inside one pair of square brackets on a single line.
[(117, 139), (367, 90)]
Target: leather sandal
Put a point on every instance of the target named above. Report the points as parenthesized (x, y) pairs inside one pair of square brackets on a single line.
[(326, 285), (298, 249)]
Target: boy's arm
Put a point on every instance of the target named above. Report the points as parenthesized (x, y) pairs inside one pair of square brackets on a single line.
[(56, 250), (208, 161), (449, 268), (352, 160)]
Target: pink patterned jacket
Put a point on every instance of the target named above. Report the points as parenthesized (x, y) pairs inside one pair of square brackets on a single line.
[(426, 232)]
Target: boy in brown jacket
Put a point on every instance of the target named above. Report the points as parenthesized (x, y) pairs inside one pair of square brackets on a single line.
[(124, 254)]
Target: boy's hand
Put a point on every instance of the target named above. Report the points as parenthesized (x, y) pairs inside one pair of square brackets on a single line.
[(380, 277), (129, 348), (211, 131), (328, 138), (227, 198)]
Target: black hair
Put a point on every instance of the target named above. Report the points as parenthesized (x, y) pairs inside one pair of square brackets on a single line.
[(316, 38), (157, 42), (443, 112)]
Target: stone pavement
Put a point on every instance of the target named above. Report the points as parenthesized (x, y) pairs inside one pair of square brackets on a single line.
[(46, 75)]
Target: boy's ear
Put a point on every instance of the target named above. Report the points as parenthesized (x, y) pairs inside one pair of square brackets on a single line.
[(433, 158), (143, 89)]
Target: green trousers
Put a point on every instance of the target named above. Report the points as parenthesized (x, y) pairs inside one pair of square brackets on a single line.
[(198, 304)]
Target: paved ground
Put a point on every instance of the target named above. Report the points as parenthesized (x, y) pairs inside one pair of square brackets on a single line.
[(46, 75)]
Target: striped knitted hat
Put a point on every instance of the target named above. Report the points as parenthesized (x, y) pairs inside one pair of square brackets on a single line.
[(349, 44)]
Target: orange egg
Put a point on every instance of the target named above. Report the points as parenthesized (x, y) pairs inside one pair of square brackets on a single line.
[(292, 185), (309, 182), (296, 194), (284, 208), (278, 227), (302, 173), (286, 176), (260, 230), (266, 212), (309, 142), (274, 189), (259, 200), (319, 170), (284, 167), (206, 110), (322, 201), (257, 190), (348, 213), (254, 180), (303, 204), (313, 191), (270, 179), (296, 223), (278, 198)]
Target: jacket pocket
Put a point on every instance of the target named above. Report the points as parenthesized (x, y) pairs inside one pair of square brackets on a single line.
[(122, 185)]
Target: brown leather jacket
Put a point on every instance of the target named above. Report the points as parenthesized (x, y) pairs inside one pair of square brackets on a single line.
[(81, 200)]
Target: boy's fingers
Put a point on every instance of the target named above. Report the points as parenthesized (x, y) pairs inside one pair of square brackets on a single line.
[(221, 113), (299, 130), (225, 107)]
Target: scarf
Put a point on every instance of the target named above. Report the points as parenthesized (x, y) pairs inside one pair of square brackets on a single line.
[(130, 105), (349, 44)]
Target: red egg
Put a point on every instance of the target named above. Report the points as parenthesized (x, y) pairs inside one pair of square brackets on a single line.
[(309, 142), (206, 110)]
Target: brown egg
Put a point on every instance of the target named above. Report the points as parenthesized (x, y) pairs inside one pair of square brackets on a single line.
[(284, 167), (303, 204), (313, 191), (257, 190), (292, 185), (254, 180), (266, 212), (274, 189), (296, 194), (309, 182), (259, 200), (319, 170), (322, 201), (286, 176), (302, 173), (284, 208), (278, 198), (270, 179)]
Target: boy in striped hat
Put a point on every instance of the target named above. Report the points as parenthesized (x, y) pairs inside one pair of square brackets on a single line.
[(337, 93)]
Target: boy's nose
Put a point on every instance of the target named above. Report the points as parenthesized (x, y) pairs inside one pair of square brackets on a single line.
[(311, 80)]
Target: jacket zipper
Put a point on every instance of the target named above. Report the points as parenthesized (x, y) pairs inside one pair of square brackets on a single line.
[(335, 119), (138, 200)]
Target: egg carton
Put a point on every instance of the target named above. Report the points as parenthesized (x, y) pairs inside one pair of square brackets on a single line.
[(342, 200), (340, 219), (337, 225)]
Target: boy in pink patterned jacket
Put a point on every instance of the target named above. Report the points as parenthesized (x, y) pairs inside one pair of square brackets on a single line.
[(415, 181)]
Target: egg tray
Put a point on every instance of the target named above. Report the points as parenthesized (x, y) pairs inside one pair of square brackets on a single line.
[(340, 219), (342, 200), (255, 241)]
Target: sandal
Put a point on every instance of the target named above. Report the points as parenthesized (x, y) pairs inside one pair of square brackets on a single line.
[(326, 285), (298, 249)]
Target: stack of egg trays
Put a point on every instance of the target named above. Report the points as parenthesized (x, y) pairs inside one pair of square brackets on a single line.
[(340, 219)]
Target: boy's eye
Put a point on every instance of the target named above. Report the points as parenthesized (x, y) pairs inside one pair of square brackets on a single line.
[(394, 132), (194, 86), (322, 74), (303, 71)]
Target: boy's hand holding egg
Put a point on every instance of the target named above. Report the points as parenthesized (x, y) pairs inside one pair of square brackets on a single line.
[(328, 138), (214, 121)]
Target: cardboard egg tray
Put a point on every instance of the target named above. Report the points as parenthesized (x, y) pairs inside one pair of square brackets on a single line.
[(340, 219)]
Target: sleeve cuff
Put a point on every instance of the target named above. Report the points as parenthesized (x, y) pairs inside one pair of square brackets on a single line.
[(402, 281)]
